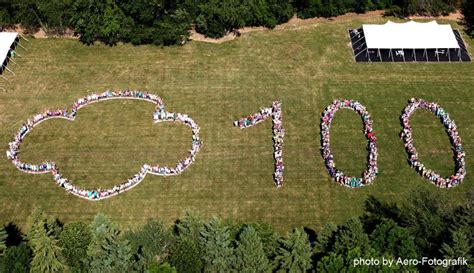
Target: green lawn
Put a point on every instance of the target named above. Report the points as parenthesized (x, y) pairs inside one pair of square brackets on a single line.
[(215, 84)]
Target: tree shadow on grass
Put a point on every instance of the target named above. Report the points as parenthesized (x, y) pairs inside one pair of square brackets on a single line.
[(15, 236)]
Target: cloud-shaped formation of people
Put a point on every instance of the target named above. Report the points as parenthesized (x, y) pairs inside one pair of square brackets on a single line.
[(160, 115)]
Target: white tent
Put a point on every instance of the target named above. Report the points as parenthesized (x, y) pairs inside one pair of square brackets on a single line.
[(408, 42), (6, 41), (411, 35)]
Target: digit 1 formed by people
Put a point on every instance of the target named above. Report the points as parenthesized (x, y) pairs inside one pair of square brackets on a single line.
[(278, 134)]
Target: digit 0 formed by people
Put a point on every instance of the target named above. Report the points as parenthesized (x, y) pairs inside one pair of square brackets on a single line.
[(160, 115), (452, 131), (369, 175)]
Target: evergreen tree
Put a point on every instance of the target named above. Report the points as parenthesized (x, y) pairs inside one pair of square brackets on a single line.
[(3, 240), (107, 253), (190, 226), (427, 218), (349, 236), (74, 240), (467, 10), (47, 253), (151, 242), (46, 250), (216, 246), (331, 263), (185, 256), (460, 246), (16, 259), (270, 239), (37, 221), (376, 210), (336, 249), (249, 253), (294, 253), (325, 239), (390, 238)]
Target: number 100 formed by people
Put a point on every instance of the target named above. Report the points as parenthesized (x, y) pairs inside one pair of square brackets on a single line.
[(369, 175), (275, 113)]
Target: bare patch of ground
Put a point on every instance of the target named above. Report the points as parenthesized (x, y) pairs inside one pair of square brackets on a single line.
[(296, 23), (455, 16), (40, 33)]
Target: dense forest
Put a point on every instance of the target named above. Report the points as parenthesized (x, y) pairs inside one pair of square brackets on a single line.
[(167, 22), (426, 225), (467, 9)]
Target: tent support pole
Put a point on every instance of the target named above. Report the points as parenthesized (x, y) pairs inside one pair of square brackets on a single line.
[(359, 53), (352, 47), (403, 55), (437, 55), (414, 55), (380, 55), (9, 70), (391, 55), (24, 38), (22, 46), (359, 39), (449, 55), (11, 60)]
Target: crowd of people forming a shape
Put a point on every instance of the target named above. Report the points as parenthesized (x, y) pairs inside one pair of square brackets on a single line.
[(372, 171), (413, 158), (278, 134), (160, 115)]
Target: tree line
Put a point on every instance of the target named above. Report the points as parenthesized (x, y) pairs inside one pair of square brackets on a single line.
[(424, 226), (167, 22)]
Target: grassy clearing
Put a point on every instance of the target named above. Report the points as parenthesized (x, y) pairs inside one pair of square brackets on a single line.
[(216, 84)]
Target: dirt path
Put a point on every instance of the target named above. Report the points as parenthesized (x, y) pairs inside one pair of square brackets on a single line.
[(455, 16), (296, 23)]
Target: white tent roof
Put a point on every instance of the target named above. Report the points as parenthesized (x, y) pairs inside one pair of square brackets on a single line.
[(6, 41), (410, 35)]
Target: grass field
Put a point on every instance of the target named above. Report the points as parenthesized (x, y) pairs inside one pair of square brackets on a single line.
[(215, 84)]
